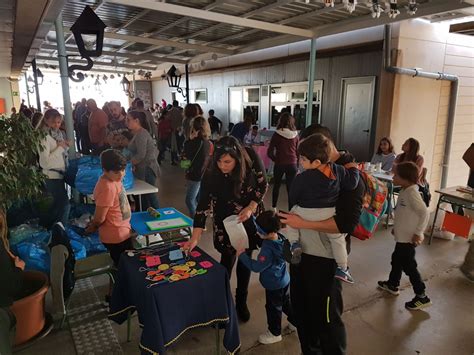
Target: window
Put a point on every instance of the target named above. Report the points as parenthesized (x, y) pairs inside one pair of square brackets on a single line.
[(252, 95), (200, 95)]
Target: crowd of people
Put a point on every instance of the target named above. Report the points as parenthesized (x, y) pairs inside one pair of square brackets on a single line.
[(224, 176)]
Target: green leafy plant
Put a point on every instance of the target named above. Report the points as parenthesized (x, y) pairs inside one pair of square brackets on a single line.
[(20, 178)]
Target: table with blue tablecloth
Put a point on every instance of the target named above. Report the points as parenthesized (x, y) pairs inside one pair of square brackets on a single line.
[(167, 310)]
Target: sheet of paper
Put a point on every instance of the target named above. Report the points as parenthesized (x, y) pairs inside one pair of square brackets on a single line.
[(172, 223), (176, 254), (237, 233)]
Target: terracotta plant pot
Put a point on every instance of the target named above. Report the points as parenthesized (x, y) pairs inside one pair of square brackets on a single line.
[(29, 309)]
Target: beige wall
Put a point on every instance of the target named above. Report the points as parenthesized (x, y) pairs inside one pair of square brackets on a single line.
[(458, 60), (420, 105), (6, 88)]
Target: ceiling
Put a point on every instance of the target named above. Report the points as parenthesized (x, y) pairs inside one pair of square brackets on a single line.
[(141, 34)]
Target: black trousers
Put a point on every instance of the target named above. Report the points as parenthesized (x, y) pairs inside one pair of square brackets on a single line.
[(278, 301), (116, 250), (316, 299), (278, 171), (403, 259), (228, 259)]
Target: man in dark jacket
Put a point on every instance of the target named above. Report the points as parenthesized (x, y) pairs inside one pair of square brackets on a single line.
[(11, 279), (315, 292)]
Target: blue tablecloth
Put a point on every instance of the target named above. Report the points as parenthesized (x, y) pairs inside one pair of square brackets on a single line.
[(139, 219), (168, 310)]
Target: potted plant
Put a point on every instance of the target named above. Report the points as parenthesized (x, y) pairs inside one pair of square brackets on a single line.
[(20, 180)]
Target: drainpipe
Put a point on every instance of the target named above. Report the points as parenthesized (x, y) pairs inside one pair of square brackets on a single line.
[(430, 75)]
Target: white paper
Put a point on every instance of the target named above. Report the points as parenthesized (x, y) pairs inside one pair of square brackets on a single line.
[(237, 233)]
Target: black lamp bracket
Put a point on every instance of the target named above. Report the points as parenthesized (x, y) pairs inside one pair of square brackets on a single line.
[(181, 91), (79, 76)]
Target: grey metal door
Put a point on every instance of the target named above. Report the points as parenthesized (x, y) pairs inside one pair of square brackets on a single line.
[(355, 117)]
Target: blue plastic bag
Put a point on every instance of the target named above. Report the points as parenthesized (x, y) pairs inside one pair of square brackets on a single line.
[(89, 172), (34, 252), (91, 243)]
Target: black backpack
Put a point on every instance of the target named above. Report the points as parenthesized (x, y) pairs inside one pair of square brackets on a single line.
[(59, 237)]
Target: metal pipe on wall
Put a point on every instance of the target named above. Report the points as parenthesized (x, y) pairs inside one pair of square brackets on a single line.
[(63, 71), (187, 83), (430, 75), (311, 72), (35, 77)]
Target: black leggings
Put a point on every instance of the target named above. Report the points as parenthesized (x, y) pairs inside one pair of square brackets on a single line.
[(278, 171), (228, 258)]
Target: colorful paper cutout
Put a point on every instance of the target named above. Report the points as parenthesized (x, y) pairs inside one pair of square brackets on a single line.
[(176, 254), (152, 260), (206, 264)]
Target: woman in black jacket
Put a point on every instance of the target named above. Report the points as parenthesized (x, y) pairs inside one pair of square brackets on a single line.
[(235, 184), (197, 151)]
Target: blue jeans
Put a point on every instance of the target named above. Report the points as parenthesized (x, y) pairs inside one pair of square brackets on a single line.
[(61, 206), (150, 200), (192, 192)]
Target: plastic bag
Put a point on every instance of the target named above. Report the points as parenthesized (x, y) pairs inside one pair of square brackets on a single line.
[(438, 231), (34, 252), (89, 172), (91, 243), (22, 232)]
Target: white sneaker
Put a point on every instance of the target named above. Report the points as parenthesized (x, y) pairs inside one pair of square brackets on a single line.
[(269, 338), (291, 328)]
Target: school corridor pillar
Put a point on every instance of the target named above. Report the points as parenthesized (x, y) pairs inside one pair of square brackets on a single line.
[(63, 71)]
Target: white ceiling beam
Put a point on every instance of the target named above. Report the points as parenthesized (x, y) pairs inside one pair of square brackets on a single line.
[(168, 43), (296, 18), (245, 15), (213, 16), (137, 58), (104, 64), (171, 25)]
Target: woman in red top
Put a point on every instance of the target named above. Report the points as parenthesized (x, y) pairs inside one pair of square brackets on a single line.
[(283, 150)]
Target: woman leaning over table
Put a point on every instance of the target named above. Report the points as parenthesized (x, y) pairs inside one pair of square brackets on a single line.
[(235, 184), (144, 155)]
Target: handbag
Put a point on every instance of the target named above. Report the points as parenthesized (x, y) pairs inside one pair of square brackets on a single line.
[(186, 163)]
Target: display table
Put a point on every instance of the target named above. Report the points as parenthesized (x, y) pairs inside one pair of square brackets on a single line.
[(453, 196), (140, 188), (166, 310)]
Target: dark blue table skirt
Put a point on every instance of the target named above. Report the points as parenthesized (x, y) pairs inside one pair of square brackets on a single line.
[(167, 311)]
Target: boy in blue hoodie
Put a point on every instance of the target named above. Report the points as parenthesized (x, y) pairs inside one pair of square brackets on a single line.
[(274, 277)]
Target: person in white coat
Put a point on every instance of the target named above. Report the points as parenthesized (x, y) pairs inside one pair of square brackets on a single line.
[(53, 162)]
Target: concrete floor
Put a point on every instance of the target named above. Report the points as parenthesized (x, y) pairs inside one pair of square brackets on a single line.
[(376, 323)]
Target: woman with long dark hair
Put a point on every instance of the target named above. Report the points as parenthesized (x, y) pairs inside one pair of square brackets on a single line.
[(196, 150), (385, 154), (283, 150), (144, 155), (235, 184), (411, 149)]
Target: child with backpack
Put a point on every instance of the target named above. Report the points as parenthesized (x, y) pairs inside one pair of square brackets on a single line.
[(411, 218), (313, 195), (112, 212), (274, 276)]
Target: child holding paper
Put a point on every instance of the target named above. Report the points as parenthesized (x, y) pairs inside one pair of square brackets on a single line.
[(112, 212), (274, 277)]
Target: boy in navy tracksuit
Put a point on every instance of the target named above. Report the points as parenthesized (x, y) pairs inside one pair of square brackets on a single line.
[(274, 277)]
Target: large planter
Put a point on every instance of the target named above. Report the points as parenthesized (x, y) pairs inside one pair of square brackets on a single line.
[(29, 308)]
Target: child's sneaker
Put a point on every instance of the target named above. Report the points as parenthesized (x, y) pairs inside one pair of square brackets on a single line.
[(269, 338), (296, 252), (418, 303), (384, 285), (344, 275)]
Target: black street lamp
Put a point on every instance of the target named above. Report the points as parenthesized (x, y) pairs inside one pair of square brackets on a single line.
[(88, 31), (30, 84), (174, 79), (126, 87)]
